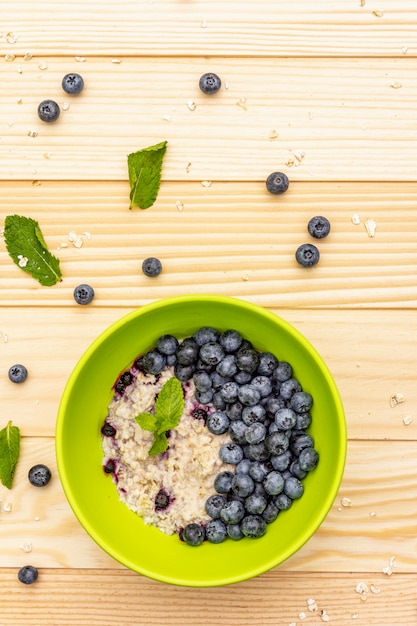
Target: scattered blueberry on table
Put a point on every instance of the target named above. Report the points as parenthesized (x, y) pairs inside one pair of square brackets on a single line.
[(28, 574), (318, 227), (18, 373), (48, 111), (72, 83), (39, 475), (277, 182), (210, 83), (152, 267), (83, 294), (307, 255)]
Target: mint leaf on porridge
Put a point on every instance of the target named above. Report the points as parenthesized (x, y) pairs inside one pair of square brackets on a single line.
[(9, 453), (169, 405), (26, 246), (147, 421), (160, 444), (144, 167)]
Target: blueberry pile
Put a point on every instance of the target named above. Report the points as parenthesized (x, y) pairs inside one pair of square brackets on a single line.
[(255, 398)]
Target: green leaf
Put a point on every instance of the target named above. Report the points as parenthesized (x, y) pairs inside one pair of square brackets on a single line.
[(169, 405), (147, 421), (160, 444), (144, 167), (9, 453), (26, 246)]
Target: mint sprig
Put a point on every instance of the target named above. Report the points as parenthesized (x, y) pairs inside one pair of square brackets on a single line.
[(26, 246), (144, 167), (9, 453), (169, 406)]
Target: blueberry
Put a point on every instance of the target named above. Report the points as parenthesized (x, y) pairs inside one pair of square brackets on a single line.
[(18, 373), (282, 372), (183, 372), (267, 363), (216, 531), (242, 377), (285, 419), (277, 182), (211, 353), (214, 505), (48, 111), (218, 423), (270, 513), (281, 462), (289, 388), (153, 362), (249, 395), (253, 414), (193, 534), (307, 255), (39, 475), (234, 411), (231, 453), (199, 414), (235, 532), (110, 467), (282, 502), (202, 380), (243, 467), (72, 84), (318, 227), (247, 359), (152, 267), (273, 483), (308, 459), (206, 334), (204, 397), (108, 430), (223, 482), (272, 405), (229, 392), (27, 574), (218, 401), (242, 485), (167, 344), (263, 384), (255, 433), (83, 294), (277, 443), (253, 526), (258, 451), (210, 83), (300, 442), (293, 488), (301, 402), (227, 366), (255, 504), (296, 470), (303, 421), (232, 512), (258, 471), (217, 380), (187, 352), (162, 500), (237, 430), (124, 381), (230, 340)]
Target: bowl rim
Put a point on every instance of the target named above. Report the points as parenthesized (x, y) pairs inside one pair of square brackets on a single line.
[(254, 308)]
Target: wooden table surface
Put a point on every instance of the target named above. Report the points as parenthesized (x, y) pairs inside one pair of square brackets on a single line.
[(324, 91)]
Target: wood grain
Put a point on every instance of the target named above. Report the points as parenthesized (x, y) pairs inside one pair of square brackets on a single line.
[(231, 239), (215, 28), (346, 119), (105, 598)]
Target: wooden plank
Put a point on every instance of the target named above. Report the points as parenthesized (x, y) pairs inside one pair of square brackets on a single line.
[(335, 119), (323, 28), (368, 352), (120, 597), (231, 239), (379, 480)]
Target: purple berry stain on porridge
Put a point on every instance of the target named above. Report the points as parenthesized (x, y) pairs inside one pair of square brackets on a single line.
[(175, 450)]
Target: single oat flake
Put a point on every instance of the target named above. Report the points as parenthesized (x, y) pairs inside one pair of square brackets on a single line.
[(378, 13), (273, 134), (388, 570), (42, 65), (396, 398), (356, 219), (396, 84), (179, 205), (361, 587), (191, 105), (11, 38), (26, 546), (370, 226), (346, 502), (324, 616), (206, 183), (407, 420), (9, 57), (312, 605)]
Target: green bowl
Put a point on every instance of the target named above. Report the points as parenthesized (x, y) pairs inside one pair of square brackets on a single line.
[(92, 494)]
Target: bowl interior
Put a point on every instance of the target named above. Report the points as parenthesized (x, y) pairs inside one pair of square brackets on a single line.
[(93, 496)]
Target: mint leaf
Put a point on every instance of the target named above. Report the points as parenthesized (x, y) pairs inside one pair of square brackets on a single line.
[(26, 246), (169, 405), (144, 167), (147, 421), (9, 453), (160, 444)]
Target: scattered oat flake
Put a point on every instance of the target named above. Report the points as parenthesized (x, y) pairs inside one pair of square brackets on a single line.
[(388, 570), (374, 589), (299, 155), (245, 277), (80, 59), (27, 56), (407, 420), (372, 514), (396, 398), (116, 61), (187, 167), (37, 519), (346, 502), (206, 183), (26, 546), (9, 57), (7, 507), (65, 106), (361, 587), (4, 336), (87, 234), (203, 24), (19, 100), (396, 84), (242, 103), (226, 84), (324, 616), (19, 69), (302, 615), (32, 133), (312, 605), (378, 13), (292, 624), (47, 155), (273, 134), (404, 49), (42, 65), (370, 226), (179, 205), (11, 38), (167, 118), (36, 183), (191, 105), (355, 615), (290, 162), (356, 219)]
